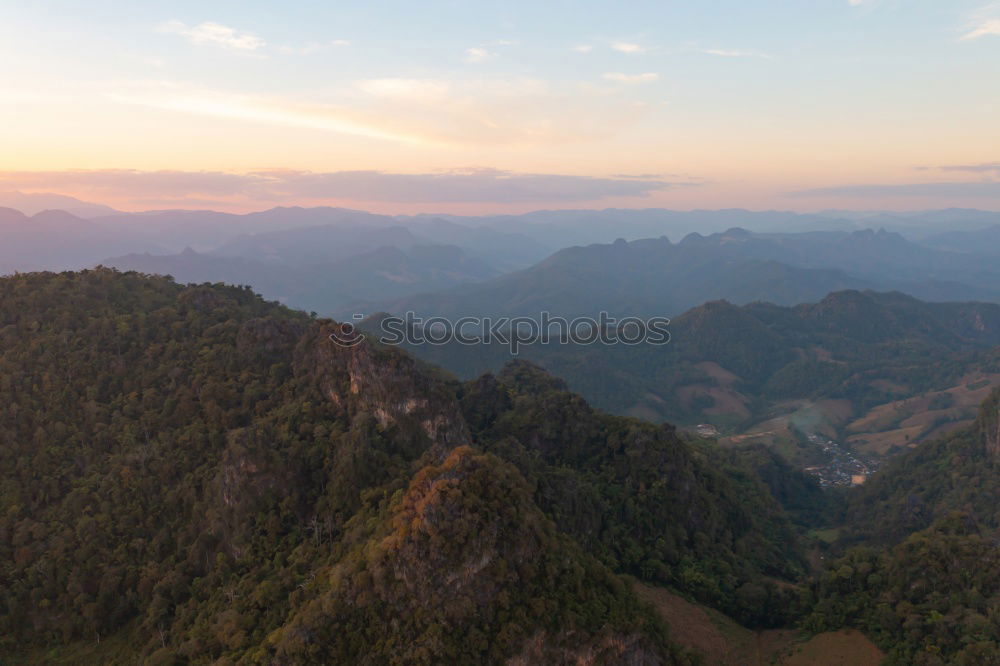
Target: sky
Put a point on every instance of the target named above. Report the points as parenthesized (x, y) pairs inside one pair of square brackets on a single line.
[(484, 107)]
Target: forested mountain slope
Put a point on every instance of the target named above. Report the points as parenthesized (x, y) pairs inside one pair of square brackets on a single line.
[(640, 498), (924, 583), (932, 599), (191, 474), (210, 476)]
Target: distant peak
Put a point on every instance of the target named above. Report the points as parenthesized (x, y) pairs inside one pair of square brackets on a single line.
[(53, 214), (847, 300), (845, 295), (710, 310), (528, 378), (692, 238), (734, 234), (881, 235), (718, 305), (12, 214)]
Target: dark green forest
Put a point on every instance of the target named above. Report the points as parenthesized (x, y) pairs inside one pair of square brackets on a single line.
[(208, 478), (210, 473), (934, 598)]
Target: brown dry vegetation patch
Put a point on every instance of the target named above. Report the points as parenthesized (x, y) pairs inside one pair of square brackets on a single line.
[(882, 416), (721, 640), (728, 402), (905, 422), (823, 354), (717, 372), (961, 395), (724, 642), (846, 647), (725, 401), (947, 428), (881, 443)]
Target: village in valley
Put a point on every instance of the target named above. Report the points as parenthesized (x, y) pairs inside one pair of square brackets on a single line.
[(841, 467)]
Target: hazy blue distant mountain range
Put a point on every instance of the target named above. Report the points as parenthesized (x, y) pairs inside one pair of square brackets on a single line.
[(656, 277), (30, 203), (318, 284), (981, 241), (676, 260)]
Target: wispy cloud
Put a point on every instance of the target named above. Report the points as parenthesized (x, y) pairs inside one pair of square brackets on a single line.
[(253, 108), (215, 34), (477, 54), (986, 167), (986, 27), (133, 183), (485, 111), (484, 52), (621, 77), (983, 22), (583, 48), (282, 185), (627, 47), (477, 185)]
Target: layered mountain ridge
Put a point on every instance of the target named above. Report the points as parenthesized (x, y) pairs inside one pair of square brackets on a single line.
[(656, 277)]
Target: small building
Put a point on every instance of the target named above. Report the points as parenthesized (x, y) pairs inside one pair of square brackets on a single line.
[(706, 430)]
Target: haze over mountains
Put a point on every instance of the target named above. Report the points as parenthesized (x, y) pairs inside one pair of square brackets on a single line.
[(658, 277), (981, 241), (31, 203), (167, 232), (309, 257), (378, 272)]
